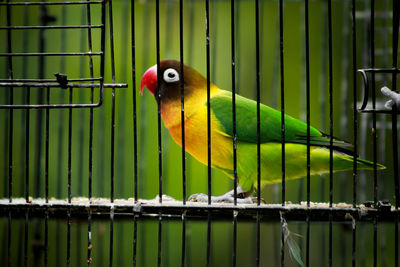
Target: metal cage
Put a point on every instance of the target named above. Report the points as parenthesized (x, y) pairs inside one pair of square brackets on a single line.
[(44, 179)]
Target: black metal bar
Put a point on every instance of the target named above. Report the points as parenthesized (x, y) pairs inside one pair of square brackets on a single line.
[(207, 2), (134, 241), (233, 103), (257, 16), (51, 3), (208, 253), (183, 250), (330, 63), (258, 239), (72, 85), (159, 251), (282, 243), (11, 112), (26, 238), (182, 108), (47, 133), (9, 235), (135, 147), (355, 128), (307, 40), (234, 248), (158, 101), (50, 27), (46, 238), (112, 101), (374, 130), (68, 237), (111, 237), (52, 54), (47, 80), (69, 144), (308, 240), (395, 38), (89, 21), (355, 121), (282, 99), (375, 248)]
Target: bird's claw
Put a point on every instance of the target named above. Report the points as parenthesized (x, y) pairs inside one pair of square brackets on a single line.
[(395, 98), (241, 198)]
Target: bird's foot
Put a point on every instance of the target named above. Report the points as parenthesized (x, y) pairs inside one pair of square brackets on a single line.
[(242, 197), (395, 98)]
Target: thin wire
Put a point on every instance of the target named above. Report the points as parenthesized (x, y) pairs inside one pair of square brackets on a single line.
[(258, 105), (69, 145), (207, 2), (159, 240), (183, 250), (111, 237), (234, 248), (46, 237), (134, 240), (355, 130), (234, 104), (47, 133), (113, 100), (51, 3), (208, 261), (69, 237), (395, 39), (182, 102), (330, 62), (26, 238), (307, 39), (282, 99), (9, 252), (258, 238), (11, 112), (158, 101), (135, 147)]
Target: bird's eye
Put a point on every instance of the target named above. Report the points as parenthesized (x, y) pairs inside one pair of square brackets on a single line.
[(171, 75)]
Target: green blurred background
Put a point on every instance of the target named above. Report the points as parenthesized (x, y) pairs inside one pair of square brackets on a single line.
[(194, 55)]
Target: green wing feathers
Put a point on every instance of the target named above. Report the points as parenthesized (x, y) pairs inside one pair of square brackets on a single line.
[(270, 121)]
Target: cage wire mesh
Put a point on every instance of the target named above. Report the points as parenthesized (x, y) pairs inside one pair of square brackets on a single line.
[(82, 157)]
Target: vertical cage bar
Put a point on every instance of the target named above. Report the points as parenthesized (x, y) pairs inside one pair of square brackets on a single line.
[(69, 144), (257, 16), (395, 44), (183, 250), (89, 247), (233, 102), (307, 41), (208, 256), (110, 18), (27, 131), (46, 238), (354, 243), (26, 238), (282, 242), (11, 111), (330, 63), (374, 139), (111, 251), (9, 235), (68, 237), (234, 248), (207, 2), (159, 250), (282, 99), (134, 240), (134, 107), (158, 101), (258, 239), (47, 133), (182, 102), (89, 22)]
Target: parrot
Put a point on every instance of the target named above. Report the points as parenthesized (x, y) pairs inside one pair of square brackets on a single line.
[(196, 139)]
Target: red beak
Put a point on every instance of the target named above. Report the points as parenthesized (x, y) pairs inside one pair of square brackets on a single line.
[(149, 80)]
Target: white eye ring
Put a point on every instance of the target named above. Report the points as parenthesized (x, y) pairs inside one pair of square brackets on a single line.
[(171, 75)]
